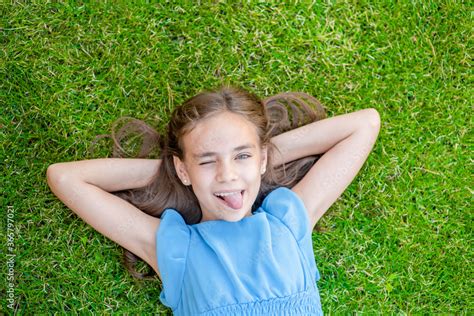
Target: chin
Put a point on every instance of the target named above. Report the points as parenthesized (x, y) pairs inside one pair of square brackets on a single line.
[(238, 216)]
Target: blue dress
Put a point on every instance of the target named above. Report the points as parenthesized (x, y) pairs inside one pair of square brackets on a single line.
[(261, 265)]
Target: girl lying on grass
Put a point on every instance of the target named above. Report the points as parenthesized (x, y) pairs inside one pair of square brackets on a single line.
[(225, 216)]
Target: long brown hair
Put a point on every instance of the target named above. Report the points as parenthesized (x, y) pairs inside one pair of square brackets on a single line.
[(271, 116)]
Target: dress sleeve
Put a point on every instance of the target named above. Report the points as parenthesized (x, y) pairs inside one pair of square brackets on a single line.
[(288, 207), (172, 242)]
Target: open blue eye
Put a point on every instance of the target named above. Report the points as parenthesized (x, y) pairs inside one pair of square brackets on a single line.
[(244, 156)]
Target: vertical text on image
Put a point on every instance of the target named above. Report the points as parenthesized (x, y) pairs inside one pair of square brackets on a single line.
[(10, 257)]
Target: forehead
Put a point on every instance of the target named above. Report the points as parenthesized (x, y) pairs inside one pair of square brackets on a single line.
[(220, 133)]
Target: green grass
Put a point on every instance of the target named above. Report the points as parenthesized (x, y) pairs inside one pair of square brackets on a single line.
[(397, 241)]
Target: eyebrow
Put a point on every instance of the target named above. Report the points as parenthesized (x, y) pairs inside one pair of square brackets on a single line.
[(211, 153)]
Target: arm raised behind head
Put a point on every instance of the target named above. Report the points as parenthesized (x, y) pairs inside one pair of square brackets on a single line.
[(84, 187), (345, 142)]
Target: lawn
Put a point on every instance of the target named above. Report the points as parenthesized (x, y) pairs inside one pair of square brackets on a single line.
[(398, 240)]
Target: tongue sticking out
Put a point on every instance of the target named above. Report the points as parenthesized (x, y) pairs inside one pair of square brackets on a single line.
[(234, 200)]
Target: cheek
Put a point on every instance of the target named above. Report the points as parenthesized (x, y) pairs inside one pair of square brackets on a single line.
[(252, 172), (203, 176)]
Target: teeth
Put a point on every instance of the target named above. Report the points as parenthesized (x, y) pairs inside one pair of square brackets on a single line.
[(226, 194)]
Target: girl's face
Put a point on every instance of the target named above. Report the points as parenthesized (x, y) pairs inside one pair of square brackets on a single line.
[(223, 162)]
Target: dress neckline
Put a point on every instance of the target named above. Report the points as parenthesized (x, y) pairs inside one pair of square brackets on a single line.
[(213, 222)]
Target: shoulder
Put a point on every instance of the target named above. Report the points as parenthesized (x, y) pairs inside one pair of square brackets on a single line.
[(172, 227), (172, 244), (288, 207), (281, 196)]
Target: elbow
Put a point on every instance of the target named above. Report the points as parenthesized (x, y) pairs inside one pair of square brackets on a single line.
[(52, 171), (51, 175), (54, 175), (373, 119)]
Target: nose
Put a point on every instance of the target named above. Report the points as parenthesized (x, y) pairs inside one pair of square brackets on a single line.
[(226, 172)]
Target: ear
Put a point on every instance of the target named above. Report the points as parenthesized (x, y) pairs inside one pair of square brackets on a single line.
[(264, 156), (180, 168)]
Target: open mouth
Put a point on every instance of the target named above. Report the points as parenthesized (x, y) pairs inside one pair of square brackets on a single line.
[(233, 200)]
